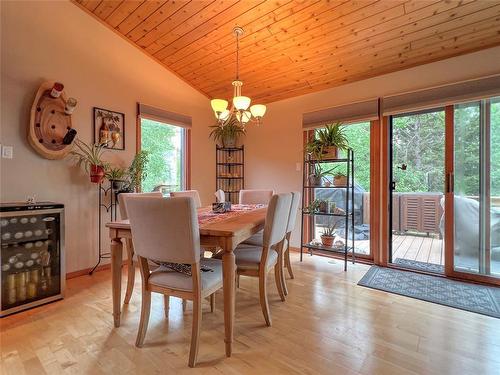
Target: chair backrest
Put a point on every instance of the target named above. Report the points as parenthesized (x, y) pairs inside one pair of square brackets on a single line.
[(292, 217), (255, 196), (165, 230), (188, 193), (277, 219), (122, 200)]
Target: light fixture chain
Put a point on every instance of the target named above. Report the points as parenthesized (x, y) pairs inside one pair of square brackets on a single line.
[(237, 56)]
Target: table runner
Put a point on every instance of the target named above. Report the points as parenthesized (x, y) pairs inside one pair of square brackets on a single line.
[(209, 216)]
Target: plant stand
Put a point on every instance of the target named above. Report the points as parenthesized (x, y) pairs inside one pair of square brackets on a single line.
[(308, 218), (111, 209), (230, 171)]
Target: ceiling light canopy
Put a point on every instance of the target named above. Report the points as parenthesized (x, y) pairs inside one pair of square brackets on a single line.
[(240, 107)]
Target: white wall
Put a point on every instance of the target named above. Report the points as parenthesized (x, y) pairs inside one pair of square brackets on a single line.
[(274, 148), (57, 40)]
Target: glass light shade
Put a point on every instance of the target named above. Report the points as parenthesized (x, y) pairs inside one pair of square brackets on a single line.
[(224, 115), (258, 110), (219, 105), (241, 103)]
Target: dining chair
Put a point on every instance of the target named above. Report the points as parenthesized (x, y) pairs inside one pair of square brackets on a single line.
[(257, 261), (257, 239), (255, 196), (122, 203), (188, 193), (167, 231)]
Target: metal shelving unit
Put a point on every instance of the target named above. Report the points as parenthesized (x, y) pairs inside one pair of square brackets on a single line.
[(230, 171), (308, 218)]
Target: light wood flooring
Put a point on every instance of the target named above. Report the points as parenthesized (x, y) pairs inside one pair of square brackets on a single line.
[(328, 325)]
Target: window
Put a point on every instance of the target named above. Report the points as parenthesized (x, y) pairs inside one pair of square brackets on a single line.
[(166, 145)]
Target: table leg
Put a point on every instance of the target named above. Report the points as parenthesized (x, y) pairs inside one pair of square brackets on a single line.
[(229, 270), (116, 281)]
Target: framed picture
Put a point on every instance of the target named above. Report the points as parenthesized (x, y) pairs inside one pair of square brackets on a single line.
[(109, 128)]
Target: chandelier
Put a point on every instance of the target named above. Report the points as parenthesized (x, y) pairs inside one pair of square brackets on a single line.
[(240, 107)]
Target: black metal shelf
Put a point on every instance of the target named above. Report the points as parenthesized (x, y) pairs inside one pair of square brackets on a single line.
[(326, 248), (308, 196), (328, 187), (322, 161), (326, 214), (230, 160)]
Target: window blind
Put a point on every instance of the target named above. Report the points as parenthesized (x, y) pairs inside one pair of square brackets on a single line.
[(161, 115), (441, 96), (353, 112)]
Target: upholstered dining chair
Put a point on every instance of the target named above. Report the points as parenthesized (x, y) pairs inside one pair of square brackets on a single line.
[(166, 231), (188, 193), (257, 239), (122, 203), (257, 261), (255, 196)]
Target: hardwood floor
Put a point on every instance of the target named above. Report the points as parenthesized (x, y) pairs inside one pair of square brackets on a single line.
[(328, 325)]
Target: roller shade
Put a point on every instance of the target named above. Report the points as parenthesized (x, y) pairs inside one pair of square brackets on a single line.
[(442, 95), (156, 114), (353, 112)]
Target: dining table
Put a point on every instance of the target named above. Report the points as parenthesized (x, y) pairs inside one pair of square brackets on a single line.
[(223, 230)]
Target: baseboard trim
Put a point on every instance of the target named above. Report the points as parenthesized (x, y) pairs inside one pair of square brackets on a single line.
[(104, 267)]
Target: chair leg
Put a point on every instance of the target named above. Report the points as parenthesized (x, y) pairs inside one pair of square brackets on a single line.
[(184, 305), (130, 272), (212, 302), (288, 263), (238, 281), (279, 283), (282, 273), (166, 304), (264, 304), (143, 324), (195, 335)]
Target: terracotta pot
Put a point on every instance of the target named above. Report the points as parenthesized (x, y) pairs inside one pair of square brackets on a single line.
[(327, 241), (96, 173), (340, 181)]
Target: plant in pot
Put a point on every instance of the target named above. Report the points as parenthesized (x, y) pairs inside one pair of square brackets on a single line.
[(117, 176), (340, 179), (137, 172), (327, 142), (312, 208), (318, 175), (328, 235), (228, 133), (89, 156)]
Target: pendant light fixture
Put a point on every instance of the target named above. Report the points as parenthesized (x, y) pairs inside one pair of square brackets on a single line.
[(240, 108)]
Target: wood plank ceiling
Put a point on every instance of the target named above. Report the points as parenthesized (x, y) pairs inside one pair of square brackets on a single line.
[(293, 47)]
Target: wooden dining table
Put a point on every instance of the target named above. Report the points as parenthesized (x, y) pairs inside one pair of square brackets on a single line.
[(225, 231)]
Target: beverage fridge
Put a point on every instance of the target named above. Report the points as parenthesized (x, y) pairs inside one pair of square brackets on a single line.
[(31, 255)]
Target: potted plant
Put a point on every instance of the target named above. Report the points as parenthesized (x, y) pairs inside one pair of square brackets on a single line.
[(327, 142), (117, 176), (316, 178), (228, 133), (340, 179), (328, 235), (137, 171), (323, 206), (312, 208), (89, 156)]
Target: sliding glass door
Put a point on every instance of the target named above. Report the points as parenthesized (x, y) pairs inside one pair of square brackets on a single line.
[(476, 188), (417, 181)]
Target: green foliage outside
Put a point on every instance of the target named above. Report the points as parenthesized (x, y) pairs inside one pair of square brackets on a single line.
[(419, 141), (163, 142)]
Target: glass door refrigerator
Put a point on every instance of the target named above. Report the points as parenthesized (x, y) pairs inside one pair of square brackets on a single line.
[(31, 255)]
